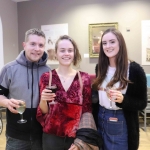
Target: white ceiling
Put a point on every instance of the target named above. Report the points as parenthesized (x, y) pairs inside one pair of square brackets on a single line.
[(20, 0)]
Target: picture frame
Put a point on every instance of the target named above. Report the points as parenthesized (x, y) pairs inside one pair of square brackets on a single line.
[(95, 33), (52, 33), (145, 40)]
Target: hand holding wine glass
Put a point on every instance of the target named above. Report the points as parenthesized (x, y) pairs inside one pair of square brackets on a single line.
[(108, 92), (12, 104), (52, 89), (21, 108), (117, 96)]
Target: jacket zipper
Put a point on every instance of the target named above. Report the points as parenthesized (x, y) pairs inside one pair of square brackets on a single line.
[(31, 101)]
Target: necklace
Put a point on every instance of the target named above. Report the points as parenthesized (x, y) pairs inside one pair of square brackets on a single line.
[(64, 79), (68, 78)]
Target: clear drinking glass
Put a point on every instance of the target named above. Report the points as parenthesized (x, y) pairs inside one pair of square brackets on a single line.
[(53, 88), (108, 89), (21, 109)]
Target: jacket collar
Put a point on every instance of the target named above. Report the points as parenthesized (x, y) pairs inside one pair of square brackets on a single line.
[(21, 59)]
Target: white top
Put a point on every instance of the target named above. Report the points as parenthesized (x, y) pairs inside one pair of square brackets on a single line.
[(103, 99)]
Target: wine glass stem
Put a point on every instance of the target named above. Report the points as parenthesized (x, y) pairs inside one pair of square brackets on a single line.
[(21, 116), (110, 104)]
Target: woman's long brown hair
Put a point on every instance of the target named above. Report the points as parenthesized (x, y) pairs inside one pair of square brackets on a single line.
[(121, 63)]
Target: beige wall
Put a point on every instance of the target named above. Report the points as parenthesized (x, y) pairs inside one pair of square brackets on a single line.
[(79, 13), (8, 14)]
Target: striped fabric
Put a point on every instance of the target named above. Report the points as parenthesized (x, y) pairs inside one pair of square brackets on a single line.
[(86, 121)]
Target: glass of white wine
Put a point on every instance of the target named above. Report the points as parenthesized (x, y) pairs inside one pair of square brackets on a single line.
[(108, 89), (21, 109)]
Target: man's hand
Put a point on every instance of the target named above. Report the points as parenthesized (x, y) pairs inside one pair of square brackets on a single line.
[(12, 104)]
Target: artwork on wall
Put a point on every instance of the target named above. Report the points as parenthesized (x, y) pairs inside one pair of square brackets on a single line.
[(52, 33), (95, 33), (146, 42)]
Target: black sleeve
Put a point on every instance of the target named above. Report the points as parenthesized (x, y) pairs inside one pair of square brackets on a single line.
[(135, 97), (95, 105), (95, 100), (4, 91)]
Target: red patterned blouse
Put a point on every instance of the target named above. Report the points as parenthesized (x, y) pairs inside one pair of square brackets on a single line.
[(64, 116)]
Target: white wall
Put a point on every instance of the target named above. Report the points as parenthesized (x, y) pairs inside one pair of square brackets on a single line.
[(79, 13), (9, 19), (1, 45)]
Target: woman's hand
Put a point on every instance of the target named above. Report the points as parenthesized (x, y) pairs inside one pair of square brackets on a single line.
[(73, 147), (46, 95), (116, 96)]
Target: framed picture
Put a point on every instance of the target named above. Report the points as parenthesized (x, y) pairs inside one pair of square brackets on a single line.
[(145, 42), (95, 33), (52, 33)]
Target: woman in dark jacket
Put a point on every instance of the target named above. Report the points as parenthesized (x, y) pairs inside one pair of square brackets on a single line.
[(117, 118)]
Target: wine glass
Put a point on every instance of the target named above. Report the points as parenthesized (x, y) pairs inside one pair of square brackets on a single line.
[(21, 109), (108, 89), (53, 88)]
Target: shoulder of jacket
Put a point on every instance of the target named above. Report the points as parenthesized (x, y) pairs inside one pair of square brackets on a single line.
[(136, 71), (9, 65), (135, 66), (7, 69), (48, 67), (85, 77), (45, 74)]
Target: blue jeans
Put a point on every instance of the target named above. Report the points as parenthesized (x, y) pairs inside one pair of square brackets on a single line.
[(16, 144), (114, 134)]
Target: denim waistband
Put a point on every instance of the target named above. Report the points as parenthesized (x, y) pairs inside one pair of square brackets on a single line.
[(103, 109)]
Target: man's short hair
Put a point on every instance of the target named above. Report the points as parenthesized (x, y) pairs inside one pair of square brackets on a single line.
[(34, 31)]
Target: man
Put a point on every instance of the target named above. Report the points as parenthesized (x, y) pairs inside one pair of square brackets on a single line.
[(19, 80)]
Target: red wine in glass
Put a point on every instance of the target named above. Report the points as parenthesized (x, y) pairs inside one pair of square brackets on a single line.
[(53, 89)]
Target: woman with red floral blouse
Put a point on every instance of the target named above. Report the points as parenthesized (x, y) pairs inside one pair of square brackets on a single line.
[(67, 124)]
